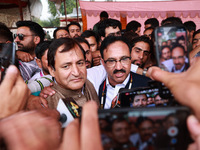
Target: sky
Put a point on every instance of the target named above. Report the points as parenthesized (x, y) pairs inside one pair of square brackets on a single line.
[(45, 14)]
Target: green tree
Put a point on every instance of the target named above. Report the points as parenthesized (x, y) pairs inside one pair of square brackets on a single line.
[(51, 22), (70, 4)]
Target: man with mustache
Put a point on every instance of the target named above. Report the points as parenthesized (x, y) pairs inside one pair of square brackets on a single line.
[(120, 133), (141, 50), (29, 35), (144, 139), (116, 59), (178, 57), (74, 29), (66, 63)]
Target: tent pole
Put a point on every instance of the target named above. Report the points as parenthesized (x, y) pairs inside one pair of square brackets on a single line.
[(77, 10), (65, 8), (20, 10)]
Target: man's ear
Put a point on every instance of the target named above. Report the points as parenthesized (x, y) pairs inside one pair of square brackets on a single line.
[(102, 62), (38, 61), (51, 71), (36, 40)]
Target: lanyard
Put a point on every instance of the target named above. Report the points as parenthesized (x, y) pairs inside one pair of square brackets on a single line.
[(103, 95)]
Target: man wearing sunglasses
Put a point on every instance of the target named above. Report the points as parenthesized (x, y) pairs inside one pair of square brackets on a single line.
[(29, 35)]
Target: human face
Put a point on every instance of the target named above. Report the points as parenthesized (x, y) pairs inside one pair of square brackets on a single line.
[(138, 31), (88, 55), (166, 53), (70, 70), (150, 100), (93, 43), (28, 43), (148, 33), (118, 73), (196, 41), (121, 132), (147, 26), (158, 101), (44, 63), (146, 130), (140, 53), (74, 31), (178, 57), (140, 100), (110, 31), (61, 34)]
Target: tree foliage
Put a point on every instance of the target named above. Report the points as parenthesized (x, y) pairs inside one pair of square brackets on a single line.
[(70, 4), (51, 22)]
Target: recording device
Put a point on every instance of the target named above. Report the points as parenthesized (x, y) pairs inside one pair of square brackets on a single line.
[(171, 52), (143, 97), (7, 57), (144, 128), (69, 110)]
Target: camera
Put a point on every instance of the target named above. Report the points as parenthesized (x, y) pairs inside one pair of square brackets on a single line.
[(7, 57)]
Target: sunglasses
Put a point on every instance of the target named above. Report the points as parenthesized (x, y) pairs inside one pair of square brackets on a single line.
[(21, 36)]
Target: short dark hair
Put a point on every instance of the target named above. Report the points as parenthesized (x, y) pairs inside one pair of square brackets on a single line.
[(82, 40), (172, 21), (178, 45), (111, 39), (133, 26), (89, 33), (163, 47), (143, 39), (73, 23), (57, 29), (180, 38), (196, 32), (153, 22), (104, 14), (190, 26), (5, 33), (108, 23), (34, 27), (68, 44), (130, 35), (141, 119), (41, 48)]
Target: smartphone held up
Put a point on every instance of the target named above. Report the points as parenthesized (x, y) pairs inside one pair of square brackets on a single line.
[(7, 57)]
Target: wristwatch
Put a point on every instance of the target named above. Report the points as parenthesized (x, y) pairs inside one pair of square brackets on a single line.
[(144, 72)]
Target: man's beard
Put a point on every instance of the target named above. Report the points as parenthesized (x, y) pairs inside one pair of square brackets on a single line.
[(30, 48)]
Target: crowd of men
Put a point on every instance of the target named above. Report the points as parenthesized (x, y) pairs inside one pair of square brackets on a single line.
[(86, 66)]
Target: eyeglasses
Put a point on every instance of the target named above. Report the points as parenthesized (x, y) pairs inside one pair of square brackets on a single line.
[(21, 36), (112, 62), (179, 57)]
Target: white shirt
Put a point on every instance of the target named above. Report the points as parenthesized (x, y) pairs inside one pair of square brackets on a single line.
[(169, 63), (113, 91), (96, 75)]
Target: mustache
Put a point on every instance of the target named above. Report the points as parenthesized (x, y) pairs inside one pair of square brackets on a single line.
[(178, 64), (18, 43), (88, 61), (121, 70)]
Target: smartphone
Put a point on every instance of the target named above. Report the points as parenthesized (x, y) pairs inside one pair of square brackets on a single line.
[(144, 128), (144, 97), (171, 52), (7, 57), (171, 48)]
